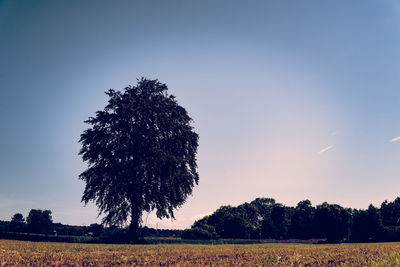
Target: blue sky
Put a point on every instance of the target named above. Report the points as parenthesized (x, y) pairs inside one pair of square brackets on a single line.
[(292, 99)]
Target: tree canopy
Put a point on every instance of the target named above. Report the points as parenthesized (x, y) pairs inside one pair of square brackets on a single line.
[(141, 155), (40, 221), (17, 222), (18, 218), (265, 218)]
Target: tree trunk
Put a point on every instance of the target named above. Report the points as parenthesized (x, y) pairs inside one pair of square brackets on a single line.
[(133, 231)]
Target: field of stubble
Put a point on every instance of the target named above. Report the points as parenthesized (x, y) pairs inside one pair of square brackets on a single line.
[(274, 254)]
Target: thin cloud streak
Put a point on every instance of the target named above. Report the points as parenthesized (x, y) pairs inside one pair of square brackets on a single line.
[(325, 149), (395, 139)]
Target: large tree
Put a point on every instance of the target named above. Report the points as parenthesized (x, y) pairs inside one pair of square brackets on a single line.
[(141, 154)]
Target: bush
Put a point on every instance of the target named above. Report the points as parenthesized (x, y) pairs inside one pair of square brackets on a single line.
[(206, 232), (390, 234)]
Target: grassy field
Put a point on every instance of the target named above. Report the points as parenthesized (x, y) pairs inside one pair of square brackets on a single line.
[(57, 254)]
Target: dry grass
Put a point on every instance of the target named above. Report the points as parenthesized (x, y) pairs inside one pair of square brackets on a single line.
[(61, 254)]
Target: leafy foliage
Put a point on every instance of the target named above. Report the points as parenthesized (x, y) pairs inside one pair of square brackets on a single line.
[(17, 223), (332, 221), (367, 225), (40, 221), (302, 222), (390, 212), (141, 155), (265, 218), (204, 232)]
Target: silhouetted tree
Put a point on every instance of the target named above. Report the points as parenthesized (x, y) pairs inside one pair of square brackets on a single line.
[(280, 217), (302, 220), (228, 222), (390, 212), (204, 231), (367, 224), (40, 221), (233, 222), (17, 222), (264, 218), (253, 219), (141, 152), (199, 223), (264, 205), (332, 221), (276, 221)]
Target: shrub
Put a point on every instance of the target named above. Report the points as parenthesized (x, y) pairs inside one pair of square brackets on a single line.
[(204, 232)]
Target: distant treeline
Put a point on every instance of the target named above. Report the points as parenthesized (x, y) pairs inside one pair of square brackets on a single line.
[(39, 226), (263, 218)]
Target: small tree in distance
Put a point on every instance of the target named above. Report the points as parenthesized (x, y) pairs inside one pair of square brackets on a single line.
[(17, 222), (18, 218), (40, 221), (141, 155)]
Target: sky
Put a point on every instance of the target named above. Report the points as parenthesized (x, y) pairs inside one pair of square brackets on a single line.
[(292, 100)]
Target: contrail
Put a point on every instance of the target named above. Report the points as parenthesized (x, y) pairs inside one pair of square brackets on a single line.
[(327, 148), (395, 139)]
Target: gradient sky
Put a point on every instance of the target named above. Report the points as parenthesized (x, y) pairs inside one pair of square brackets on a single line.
[(292, 99)]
